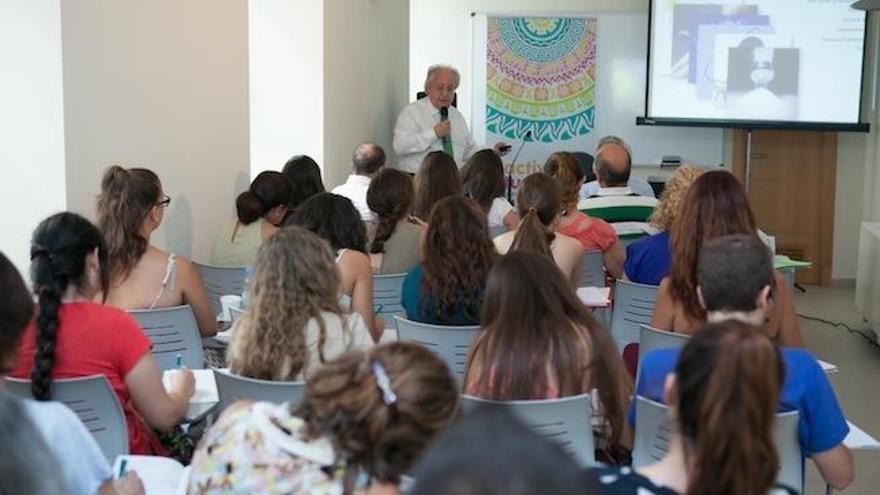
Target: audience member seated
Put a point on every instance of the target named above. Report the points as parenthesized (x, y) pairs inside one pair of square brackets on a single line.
[(594, 234), (649, 260), (437, 178), (621, 153), (483, 178), (491, 452), (539, 202), (367, 161), (365, 419), (395, 242), (714, 206), (75, 337), (304, 176), (722, 398), (85, 470), (457, 254), (260, 210), (735, 282), (293, 323), (538, 341), (130, 208), (336, 220)]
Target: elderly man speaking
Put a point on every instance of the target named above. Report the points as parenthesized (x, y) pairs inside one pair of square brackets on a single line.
[(433, 124)]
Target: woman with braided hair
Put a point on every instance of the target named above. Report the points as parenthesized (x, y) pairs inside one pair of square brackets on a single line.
[(75, 337), (364, 420)]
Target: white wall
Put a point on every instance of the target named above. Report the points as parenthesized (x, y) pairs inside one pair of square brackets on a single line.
[(31, 122), (161, 84), (366, 45), (286, 81)]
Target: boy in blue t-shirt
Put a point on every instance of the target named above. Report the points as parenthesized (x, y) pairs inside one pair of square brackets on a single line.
[(734, 279)]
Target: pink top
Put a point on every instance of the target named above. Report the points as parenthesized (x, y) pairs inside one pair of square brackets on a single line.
[(598, 236)]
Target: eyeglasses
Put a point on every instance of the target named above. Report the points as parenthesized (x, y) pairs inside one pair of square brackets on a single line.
[(166, 200)]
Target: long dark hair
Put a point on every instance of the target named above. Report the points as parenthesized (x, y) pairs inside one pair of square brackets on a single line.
[(438, 178), (15, 312), (536, 332), (457, 255), (127, 197), (334, 218), (715, 205), (268, 190), (483, 178), (304, 176), (59, 248), (539, 202), (390, 196), (728, 381)]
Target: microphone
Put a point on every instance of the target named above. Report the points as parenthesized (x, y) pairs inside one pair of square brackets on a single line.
[(526, 137), (444, 114), (447, 139)]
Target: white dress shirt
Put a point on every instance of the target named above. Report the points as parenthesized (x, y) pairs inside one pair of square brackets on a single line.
[(355, 189), (414, 135)]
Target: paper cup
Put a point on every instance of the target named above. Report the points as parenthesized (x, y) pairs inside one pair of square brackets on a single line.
[(227, 302)]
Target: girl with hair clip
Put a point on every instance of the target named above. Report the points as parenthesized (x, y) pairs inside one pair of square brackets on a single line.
[(335, 219), (396, 241), (594, 234), (447, 287), (365, 418), (438, 178), (294, 323), (715, 205), (538, 341), (539, 202), (75, 337), (261, 209), (722, 402), (483, 179), (130, 208)]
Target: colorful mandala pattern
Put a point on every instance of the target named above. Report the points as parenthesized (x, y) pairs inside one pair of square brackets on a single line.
[(541, 75)]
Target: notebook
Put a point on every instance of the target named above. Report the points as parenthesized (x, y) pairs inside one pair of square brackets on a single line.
[(596, 297), (160, 475)]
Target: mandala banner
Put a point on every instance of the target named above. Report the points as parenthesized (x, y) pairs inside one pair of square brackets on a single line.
[(540, 84)]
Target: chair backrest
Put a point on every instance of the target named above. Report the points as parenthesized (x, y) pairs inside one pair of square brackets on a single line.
[(386, 294), (234, 387), (653, 432), (633, 306), (651, 338), (172, 331), (96, 405), (449, 343), (565, 421), (496, 231), (220, 281), (592, 270)]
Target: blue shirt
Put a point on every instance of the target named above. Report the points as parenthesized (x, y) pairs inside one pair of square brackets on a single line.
[(806, 390), (649, 260), (422, 307)]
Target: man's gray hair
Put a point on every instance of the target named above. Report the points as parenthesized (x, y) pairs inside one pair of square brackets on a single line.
[(435, 69), (617, 142)]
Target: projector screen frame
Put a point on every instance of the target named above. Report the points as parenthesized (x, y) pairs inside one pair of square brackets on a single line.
[(859, 126)]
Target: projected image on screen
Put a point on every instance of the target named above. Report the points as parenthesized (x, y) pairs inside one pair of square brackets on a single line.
[(731, 61)]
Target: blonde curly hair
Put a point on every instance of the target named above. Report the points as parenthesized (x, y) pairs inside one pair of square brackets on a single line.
[(295, 278), (670, 201)]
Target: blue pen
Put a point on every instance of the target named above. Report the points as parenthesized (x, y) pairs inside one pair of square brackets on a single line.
[(179, 360), (122, 468), (380, 308)]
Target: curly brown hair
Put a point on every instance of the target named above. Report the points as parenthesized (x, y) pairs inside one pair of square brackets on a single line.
[(457, 255), (438, 178), (673, 193), (294, 280), (344, 401), (563, 167)]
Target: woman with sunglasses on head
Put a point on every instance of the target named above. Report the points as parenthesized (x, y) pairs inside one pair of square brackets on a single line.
[(130, 208)]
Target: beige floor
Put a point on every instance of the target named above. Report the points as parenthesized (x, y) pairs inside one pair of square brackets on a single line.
[(858, 382)]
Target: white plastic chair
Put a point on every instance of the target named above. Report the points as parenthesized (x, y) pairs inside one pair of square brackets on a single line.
[(496, 231), (220, 281), (592, 270), (565, 421), (449, 343), (233, 387), (386, 294), (96, 405), (651, 338), (172, 331), (235, 314), (633, 306), (654, 430)]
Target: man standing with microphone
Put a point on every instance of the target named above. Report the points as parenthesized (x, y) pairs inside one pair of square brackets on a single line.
[(432, 124)]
